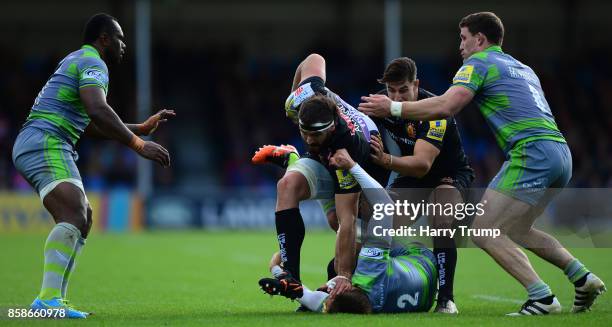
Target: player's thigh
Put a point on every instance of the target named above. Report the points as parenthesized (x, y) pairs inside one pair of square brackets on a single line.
[(442, 196), (67, 202), (320, 184), (532, 169), (500, 211), (46, 162)]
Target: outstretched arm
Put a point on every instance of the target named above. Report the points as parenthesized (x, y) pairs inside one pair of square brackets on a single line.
[(143, 129), (434, 108), (111, 126)]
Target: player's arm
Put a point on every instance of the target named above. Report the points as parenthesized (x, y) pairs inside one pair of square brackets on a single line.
[(143, 129), (346, 210), (375, 194), (416, 165), (111, 126), (434, 108), (313, 65)]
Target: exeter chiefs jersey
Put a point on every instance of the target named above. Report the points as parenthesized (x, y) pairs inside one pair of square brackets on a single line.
[(443, 134), (58, 108), (353, 130), (509, 96)]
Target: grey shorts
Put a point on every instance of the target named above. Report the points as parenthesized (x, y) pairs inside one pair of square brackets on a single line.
[(531, 168), (45, 160), (320, 182)]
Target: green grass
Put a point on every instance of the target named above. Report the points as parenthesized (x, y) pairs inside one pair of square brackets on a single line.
[(210, 279)]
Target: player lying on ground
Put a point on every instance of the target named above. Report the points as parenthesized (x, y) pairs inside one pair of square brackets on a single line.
[(538, 166), (326, 123), (73, 102), (387, 279), (431, 159)]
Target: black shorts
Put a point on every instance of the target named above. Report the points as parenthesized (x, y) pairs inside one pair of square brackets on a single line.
[(461, 180)]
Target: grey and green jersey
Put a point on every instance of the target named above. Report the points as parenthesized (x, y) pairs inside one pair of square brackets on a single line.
[(58, 108), (509, 96), (402, 279)]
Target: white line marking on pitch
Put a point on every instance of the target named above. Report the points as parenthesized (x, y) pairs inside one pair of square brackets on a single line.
[(497, 298)]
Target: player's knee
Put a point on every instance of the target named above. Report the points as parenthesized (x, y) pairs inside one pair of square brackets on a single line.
[(292, 186), (332, 220), (88, 223)]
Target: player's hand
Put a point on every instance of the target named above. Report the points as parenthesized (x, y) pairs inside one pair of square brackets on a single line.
[(377, 150), (338, 285), (155, 152), (342, 160), (376, 105), (150, 125)]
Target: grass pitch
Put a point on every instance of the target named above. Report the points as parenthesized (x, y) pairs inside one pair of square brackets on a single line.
[(210, 279)]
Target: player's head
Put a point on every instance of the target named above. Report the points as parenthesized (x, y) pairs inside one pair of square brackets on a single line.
[(351, 301), (400, 79), (479, 31), (104, 32), (317, 120)]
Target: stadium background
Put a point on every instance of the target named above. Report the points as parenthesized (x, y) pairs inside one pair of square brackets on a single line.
[(226, 68)]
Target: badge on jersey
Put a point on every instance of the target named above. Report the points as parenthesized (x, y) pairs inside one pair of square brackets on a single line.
[(95, 74), (373, 253), (345, 179), (464, 75), (437, 129), (410, 130)]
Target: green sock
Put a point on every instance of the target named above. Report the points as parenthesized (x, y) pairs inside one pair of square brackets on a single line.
[(538, 290), (59, 248), (293, 157), (79, 245), (575, 270)]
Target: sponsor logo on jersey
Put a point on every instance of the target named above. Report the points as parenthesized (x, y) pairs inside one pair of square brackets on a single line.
[(96, 74), (373, 253), (411, 130), (464, 75), (437, 129), (345, 179)]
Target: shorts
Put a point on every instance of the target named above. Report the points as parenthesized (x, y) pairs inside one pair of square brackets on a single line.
[(531, 168), (45, 160), (461, 180)]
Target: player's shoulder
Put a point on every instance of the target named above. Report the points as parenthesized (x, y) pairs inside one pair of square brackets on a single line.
[(88, 57)]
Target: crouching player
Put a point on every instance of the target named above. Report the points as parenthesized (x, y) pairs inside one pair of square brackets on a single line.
[(387, 279)]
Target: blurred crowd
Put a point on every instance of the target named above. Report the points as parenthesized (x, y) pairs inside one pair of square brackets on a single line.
[(230, 102)]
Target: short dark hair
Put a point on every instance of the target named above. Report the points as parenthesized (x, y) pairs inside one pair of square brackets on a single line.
[(486, 23), (399, 70), (351, 301), (96, 25), (317, 109)]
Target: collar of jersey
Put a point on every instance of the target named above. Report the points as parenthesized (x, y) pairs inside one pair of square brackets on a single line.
[(89, 47), (493, 48)]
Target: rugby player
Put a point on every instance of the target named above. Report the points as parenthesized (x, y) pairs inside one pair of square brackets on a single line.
[(387, 279), (538, 161), (73, 102), (431, 158), (326, 123)]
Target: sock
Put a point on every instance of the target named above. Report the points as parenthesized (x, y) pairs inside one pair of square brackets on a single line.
[(59, 248), (79, 245), (446, 255), (538, 290), (313, 300), (290, 232), (331, 271), (575, 271), (293, 157)]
